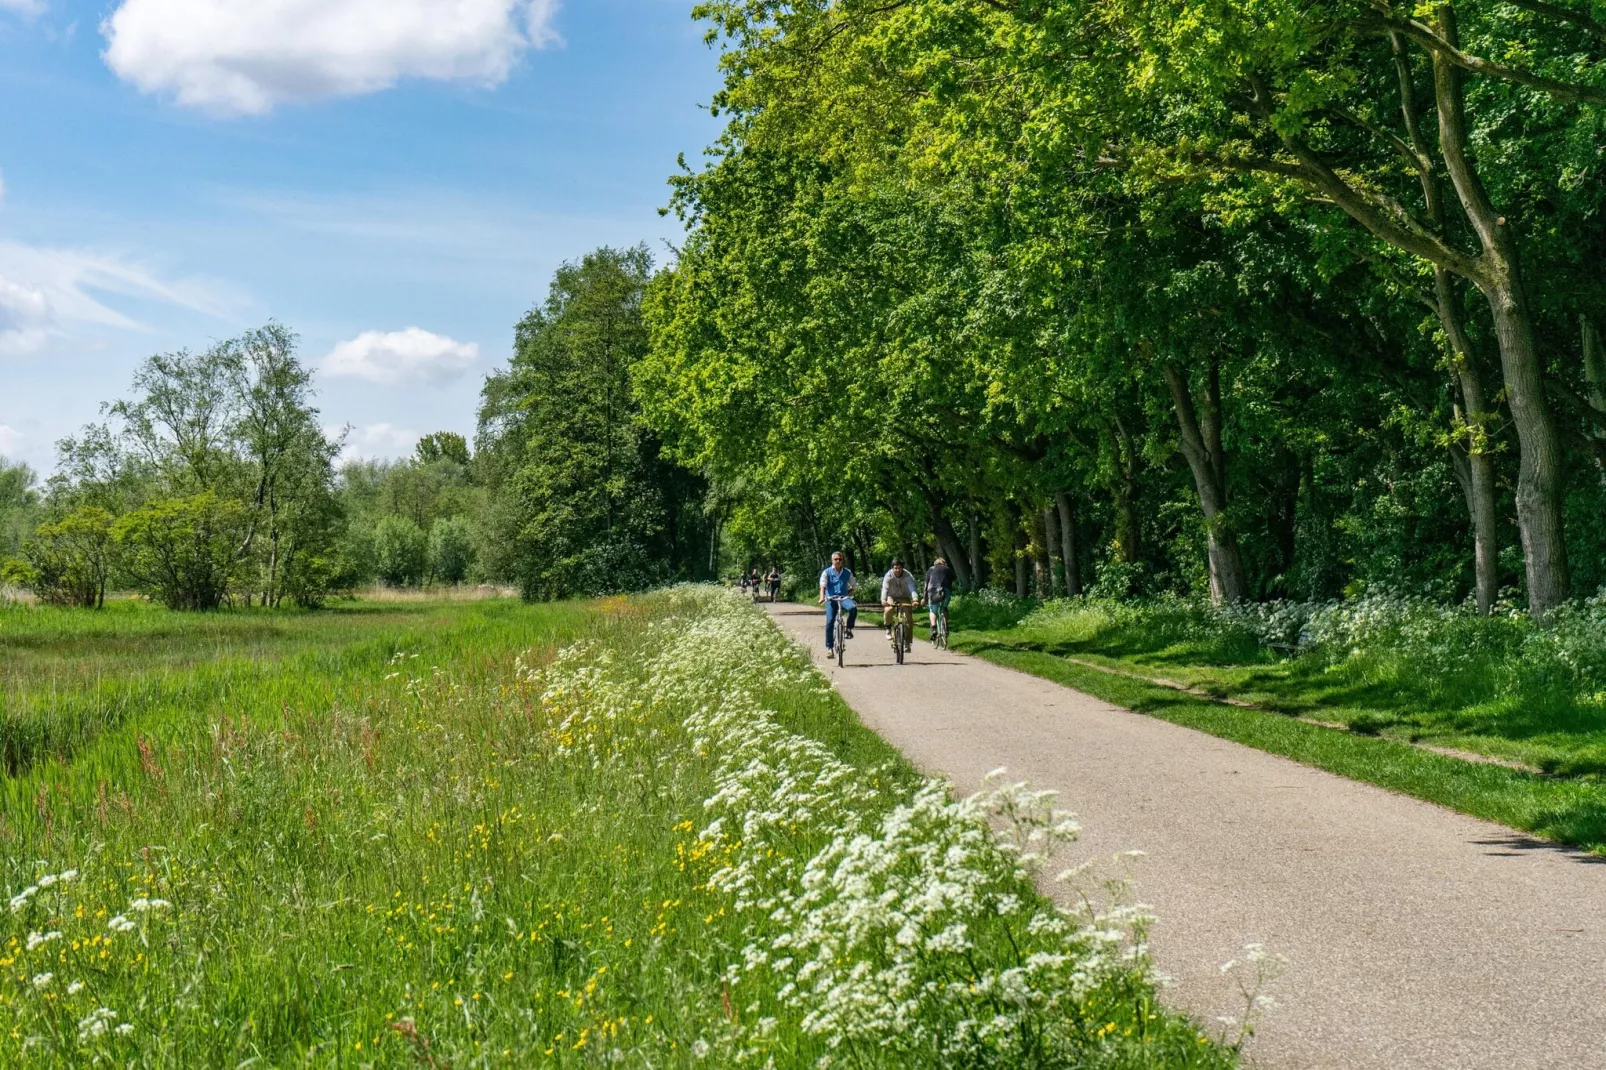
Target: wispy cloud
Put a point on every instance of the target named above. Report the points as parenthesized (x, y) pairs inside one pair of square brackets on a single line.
[(235, 58), (10, 439), (23, 7), (47, 292)]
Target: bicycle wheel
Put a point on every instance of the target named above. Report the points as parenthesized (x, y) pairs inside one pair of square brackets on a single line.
[(900, 641), (841, 641)]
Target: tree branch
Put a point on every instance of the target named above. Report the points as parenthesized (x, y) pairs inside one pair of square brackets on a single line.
[(1438, 46)]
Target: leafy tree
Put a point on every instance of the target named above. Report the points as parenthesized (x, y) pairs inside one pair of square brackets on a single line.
[(182, 552), (67, 561), (19, 502), (451, 549), (443, 446), (584, 502), (401, 551)]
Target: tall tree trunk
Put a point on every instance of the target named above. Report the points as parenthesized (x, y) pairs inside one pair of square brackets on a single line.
[(1068, 547), (1201, 446), (1540, 476), (1051, 547), (1042, 560), (1595, 376), (1022, 570), (1471, 457), (1124, 489), (977, 573), (951, 548)]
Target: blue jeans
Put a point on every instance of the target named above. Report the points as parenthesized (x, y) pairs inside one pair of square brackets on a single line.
[(831, 609)]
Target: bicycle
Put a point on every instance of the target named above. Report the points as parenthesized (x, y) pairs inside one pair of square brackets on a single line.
[(939, 632), (839, 630), (903, 627)]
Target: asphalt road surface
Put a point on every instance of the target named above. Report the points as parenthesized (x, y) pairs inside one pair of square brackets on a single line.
[(1416, 936)]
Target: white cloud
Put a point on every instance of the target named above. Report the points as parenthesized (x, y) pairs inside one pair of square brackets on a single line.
[(9, 437), (235, 58), (23, 7), (399, 358), (49, 292), (381, 441)]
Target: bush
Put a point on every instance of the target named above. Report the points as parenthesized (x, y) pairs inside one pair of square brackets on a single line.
[(184, 552), (66, 563), (400, 552), (451, 549)]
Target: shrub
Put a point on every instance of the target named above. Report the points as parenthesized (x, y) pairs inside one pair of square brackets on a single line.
[(400, 552), (66, 563), (184, 552), (451, 549)]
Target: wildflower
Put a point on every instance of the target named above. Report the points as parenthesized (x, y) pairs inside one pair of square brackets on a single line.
[(42, 980), (699, 1048), (124, 1029), (121, 924), (38, 940), (75, 988), (19, 902), (95, 1023), (141, 905)]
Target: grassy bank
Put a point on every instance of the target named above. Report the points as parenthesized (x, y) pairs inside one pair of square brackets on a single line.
[(1397, 679), (425, 836)]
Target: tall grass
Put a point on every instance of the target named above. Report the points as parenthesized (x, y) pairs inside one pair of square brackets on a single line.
[(437, 841)]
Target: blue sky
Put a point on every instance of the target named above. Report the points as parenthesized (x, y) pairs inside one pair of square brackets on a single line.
[(395, 186)]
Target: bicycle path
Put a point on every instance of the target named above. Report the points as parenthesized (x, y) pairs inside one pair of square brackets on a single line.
[(1417, 937)]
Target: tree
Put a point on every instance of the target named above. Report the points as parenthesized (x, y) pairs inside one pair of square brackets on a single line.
[(401, 551), (67, 561), (182, 552), (451, 549), (18, 504), (585, 504), (442, 446)]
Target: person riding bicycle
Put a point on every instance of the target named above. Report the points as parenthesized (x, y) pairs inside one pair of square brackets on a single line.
[(756, 583), (837, 582), (939, 588), (897, 588), (772, 581)]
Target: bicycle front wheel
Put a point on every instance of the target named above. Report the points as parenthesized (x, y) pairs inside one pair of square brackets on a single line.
[(841, 641)]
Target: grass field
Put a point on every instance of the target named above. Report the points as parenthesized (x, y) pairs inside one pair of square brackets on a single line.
[(632, 832), (1391, 703)]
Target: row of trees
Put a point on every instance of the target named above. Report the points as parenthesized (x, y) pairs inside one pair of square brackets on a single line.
[(1269, 298)]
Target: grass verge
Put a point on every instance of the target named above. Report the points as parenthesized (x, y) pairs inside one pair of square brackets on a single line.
[(1570, 811), (638, 832)]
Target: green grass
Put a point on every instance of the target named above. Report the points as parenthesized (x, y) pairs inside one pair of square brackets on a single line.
[(386, 842), (1377, 749), (1496, 695)]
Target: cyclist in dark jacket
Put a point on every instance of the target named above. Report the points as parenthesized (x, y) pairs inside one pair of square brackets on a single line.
[(939, 588)]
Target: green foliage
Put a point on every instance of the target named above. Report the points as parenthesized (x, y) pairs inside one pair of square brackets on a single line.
[(401, 551), (184, 552), (451, 549), (18, 505), (584, 504), (67, 561)]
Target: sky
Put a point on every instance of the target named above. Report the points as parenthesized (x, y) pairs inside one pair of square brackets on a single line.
[(395, 180)]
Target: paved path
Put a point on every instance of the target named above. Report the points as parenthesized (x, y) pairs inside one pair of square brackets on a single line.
[(1417, 937)]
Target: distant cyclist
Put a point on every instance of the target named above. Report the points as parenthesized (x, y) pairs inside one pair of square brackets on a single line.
[(939, 588), (897, 586), (837, 582), (772, 580)]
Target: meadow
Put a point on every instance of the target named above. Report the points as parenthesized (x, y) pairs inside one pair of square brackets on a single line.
[(628, 832)]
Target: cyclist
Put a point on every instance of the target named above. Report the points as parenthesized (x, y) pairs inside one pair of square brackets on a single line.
[(756, 583), (772, 580), (939, 588), (897, 587), (837, 582)]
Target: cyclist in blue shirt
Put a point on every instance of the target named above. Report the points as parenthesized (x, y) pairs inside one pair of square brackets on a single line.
[(835, 582)]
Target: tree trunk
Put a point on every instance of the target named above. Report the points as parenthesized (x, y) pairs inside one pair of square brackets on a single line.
[(1022, 572), (951, 549), (1125, 492), (1595, 376), (976, 571), (1068, 548), (1051, 547), (1042, 558), (1540, 476), (1201, 446)]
